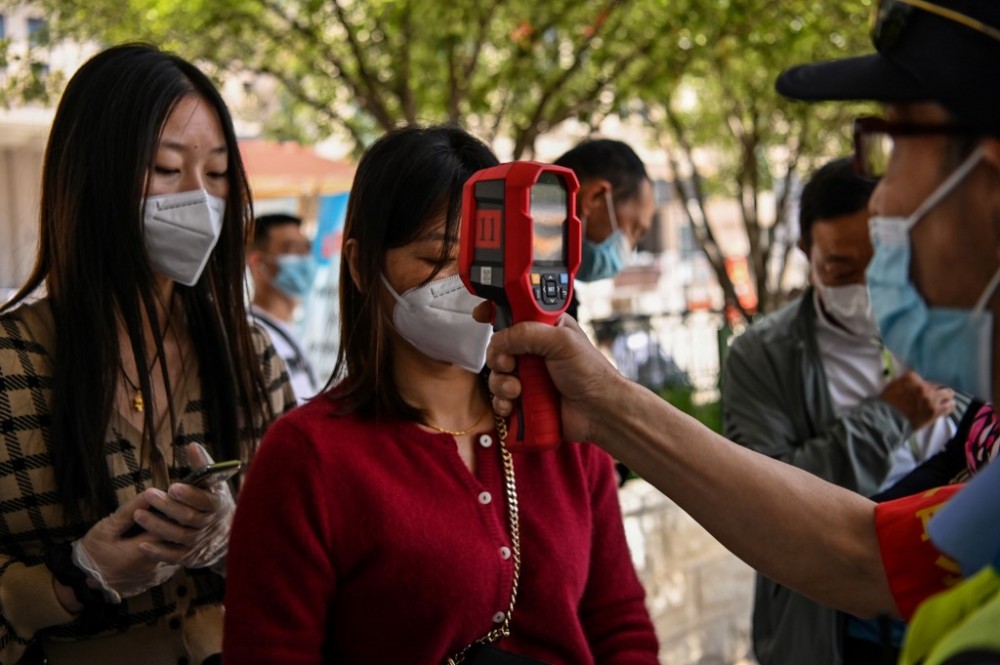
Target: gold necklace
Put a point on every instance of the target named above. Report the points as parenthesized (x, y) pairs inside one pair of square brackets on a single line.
[(460, 432), (138, 403)]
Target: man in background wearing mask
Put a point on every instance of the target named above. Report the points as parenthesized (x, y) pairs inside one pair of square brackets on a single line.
[(283, 269), (615, 204), (813, 386)]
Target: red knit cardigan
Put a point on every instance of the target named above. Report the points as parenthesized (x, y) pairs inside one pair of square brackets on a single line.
[(361, 542)]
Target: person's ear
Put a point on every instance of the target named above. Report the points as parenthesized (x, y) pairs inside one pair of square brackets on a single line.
[(593, 195), (804, 247), (593, 199), (253, 262), (350, 254)]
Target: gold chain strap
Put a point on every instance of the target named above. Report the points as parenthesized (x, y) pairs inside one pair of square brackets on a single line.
[(515, 540)]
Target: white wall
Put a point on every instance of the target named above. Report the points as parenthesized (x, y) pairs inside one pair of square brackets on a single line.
[(23, 132), (20, 174)]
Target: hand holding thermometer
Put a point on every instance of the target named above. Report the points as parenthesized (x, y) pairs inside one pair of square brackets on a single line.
[(520, 248)]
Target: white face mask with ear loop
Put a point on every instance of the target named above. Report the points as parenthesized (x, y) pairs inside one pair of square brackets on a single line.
[(849, 306), (436, 319), (180, 232)]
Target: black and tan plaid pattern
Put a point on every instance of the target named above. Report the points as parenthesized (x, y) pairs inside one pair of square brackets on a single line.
[(31, 517)]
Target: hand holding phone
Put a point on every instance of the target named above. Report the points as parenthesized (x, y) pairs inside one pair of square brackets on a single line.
[(202, 477), (217, 472)]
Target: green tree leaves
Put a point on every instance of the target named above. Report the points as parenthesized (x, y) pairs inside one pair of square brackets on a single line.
[(699, 73)]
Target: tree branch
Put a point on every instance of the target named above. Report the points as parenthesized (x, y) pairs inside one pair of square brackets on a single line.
[(586, 102), (751, 206), (702, 227), (517, 64), (482, 27), (526, 135), (370, 86), (454, 110), (372, 104), (504, 106), (403, 88), (294, 87), (781, 210), (459, 78)]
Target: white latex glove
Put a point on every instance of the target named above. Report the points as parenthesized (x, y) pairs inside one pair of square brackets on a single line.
[(120, 566), (196, 535)]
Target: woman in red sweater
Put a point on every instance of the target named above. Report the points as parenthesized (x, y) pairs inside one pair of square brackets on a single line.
[(375, 525)]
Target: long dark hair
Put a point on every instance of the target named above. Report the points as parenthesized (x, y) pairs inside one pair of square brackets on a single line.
[(405, 180), (93, 261)]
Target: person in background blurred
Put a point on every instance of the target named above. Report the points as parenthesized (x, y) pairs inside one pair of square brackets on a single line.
[(813, 385), (615, 204), (283, 270)]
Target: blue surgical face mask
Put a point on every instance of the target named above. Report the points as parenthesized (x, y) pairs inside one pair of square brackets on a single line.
[(952, 347), (295, 275), (605, 259)]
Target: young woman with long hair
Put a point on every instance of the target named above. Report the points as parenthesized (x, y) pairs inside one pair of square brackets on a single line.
[(137, 365)]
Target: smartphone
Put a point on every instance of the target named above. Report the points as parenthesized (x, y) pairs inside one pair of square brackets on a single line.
[(202, 477), (210, 474)]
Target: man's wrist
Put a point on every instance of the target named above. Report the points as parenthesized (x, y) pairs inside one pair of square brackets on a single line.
[(615, 423)]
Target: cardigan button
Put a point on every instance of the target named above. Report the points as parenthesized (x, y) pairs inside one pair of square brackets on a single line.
[(485, 440), (485, 498), (499, 617), (504, 552)]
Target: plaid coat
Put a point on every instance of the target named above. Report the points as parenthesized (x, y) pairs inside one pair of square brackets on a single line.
[(32, 518)]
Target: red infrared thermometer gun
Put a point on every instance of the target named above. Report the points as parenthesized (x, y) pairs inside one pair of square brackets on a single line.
[(520, 247)]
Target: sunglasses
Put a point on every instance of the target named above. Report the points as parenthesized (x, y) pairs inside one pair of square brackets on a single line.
[(894, 15), (874, 139)]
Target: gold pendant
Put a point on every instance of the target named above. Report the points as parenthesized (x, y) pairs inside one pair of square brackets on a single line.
[(137, 403)]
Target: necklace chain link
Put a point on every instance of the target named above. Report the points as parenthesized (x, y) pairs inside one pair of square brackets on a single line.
[(137, 402), (514, 522), (461, 432)]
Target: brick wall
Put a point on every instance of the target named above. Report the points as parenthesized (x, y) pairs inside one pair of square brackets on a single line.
[(699, 595)]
